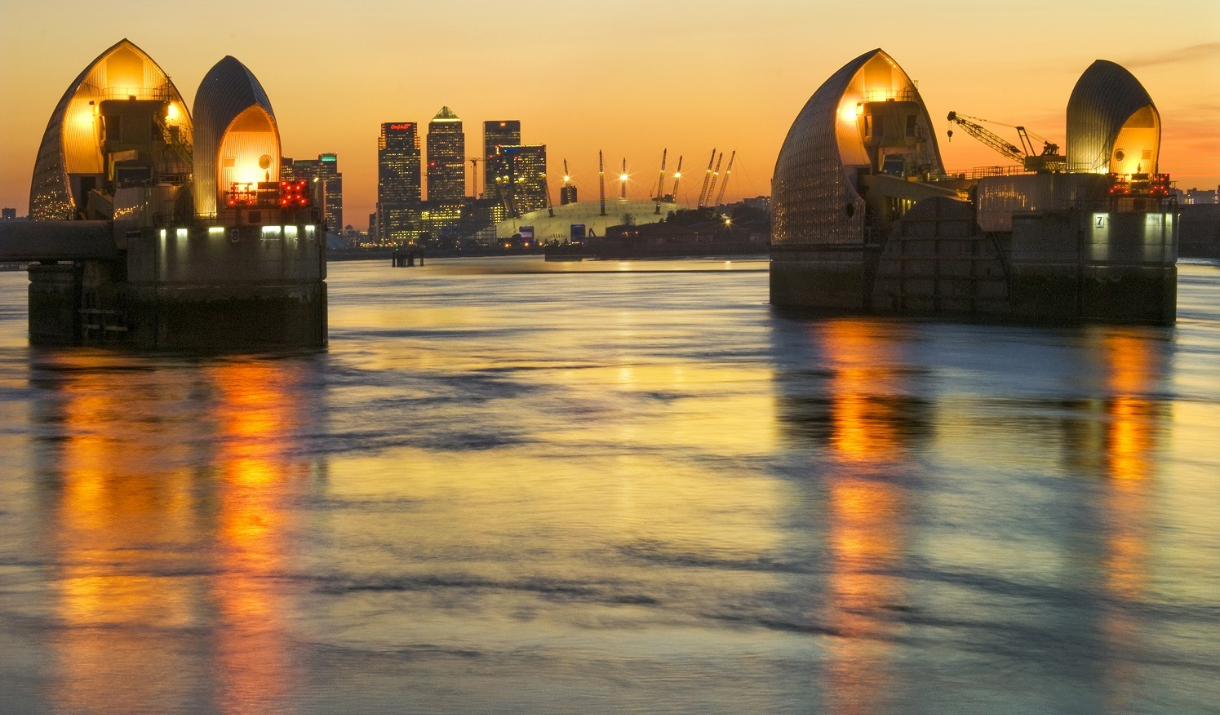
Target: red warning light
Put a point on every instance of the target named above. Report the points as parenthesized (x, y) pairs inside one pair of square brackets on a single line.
[(295, 193)]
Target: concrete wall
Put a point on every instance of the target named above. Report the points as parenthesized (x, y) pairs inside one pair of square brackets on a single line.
[(243, 317), (199, 255), (54, 296), (1095, 266), (936, 262), (822, 278), (204, 288), (193, 288)]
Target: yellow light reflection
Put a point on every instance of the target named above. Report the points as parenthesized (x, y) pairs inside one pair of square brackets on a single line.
[(128, 519), (254, 412), (1132, 366), (118, 494), (865, 511)]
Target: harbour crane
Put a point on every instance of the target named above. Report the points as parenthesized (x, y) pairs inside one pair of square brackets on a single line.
[(725, 184), (715, 176), (1047, 160), (661, 181), (706, 178), (677, 178)]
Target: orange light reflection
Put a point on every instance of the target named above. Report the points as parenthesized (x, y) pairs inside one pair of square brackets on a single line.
[(865, 511)]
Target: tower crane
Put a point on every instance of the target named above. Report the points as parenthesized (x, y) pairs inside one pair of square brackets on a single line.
[(706, 178), (1047, 160), (677, 178), (661, 181), (725, 184), (715, 175)]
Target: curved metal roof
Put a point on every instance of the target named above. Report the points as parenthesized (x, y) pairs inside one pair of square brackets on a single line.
[(1104, 98), (227, 90), (74, 147), (813, 183)]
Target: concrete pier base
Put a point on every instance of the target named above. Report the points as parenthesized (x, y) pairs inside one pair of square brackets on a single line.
[(832, 279), (54, 300), (193, 288), (239, 318), (1052, 267)]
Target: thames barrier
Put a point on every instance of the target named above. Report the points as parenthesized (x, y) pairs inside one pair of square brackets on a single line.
[(867, 220), (158, 227)]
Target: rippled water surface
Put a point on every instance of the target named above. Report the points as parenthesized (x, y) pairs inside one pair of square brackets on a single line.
[(513, 487)]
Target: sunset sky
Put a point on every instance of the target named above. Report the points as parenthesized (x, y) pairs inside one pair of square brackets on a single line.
[(629, 77)]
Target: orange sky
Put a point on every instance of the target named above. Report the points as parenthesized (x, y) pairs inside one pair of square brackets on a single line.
[(627, 77)]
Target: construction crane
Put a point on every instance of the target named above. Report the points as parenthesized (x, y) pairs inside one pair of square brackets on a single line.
[(661, 181), (622, 179), (677, 178), (725, 184), (706, 178), (1027, 155), (601, 180), (715, 175)]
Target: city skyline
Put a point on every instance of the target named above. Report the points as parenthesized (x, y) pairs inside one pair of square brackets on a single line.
[(733, 81)]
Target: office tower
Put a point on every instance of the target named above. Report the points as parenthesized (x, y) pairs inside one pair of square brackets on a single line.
[(520, 178), (567, 195), (333, 188), (328, 193), (446, 159), (496, 133), (398, 181)]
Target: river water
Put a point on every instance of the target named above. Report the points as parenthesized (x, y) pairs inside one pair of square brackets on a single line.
[(518, 487)]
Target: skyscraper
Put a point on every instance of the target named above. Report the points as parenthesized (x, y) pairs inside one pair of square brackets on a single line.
[(446, 159), (333, 187), (329, 193), (520, 178), (398, 181), (496, 133)]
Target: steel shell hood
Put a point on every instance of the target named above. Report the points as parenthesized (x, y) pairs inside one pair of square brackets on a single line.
[(1112, 123), (231, 101), (71, 145), (814, 196)]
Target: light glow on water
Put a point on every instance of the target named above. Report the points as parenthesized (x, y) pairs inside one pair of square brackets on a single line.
[(511, 487)]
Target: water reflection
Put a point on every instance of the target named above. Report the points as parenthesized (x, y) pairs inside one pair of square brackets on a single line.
[(866, 509), (854, 397), (1133, 420), (847, 396), (255, 412), (155, 476)]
